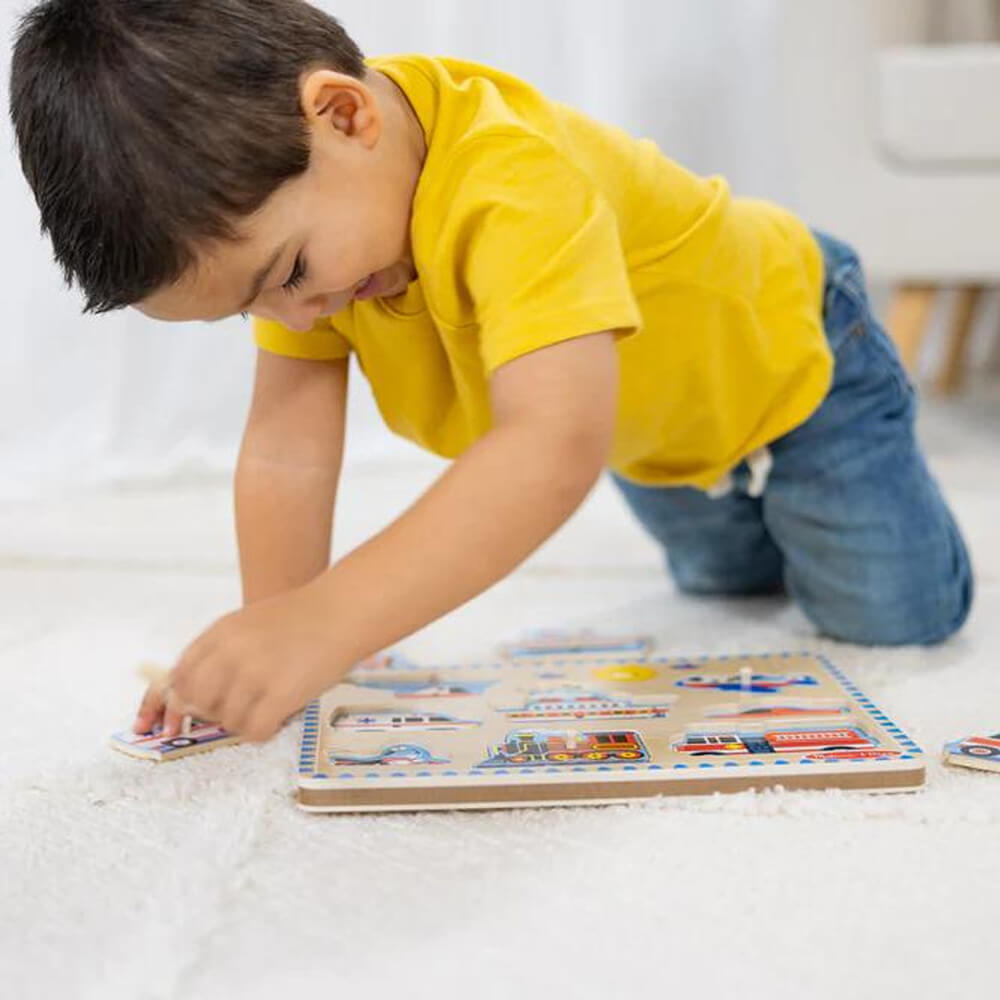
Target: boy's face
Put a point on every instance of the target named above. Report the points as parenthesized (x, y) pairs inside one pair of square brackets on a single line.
[(318, 240)]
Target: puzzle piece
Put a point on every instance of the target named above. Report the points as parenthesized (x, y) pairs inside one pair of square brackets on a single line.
[(979, 752), (202, 737)]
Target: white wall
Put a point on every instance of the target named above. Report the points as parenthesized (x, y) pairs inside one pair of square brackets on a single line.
[(87, 399)]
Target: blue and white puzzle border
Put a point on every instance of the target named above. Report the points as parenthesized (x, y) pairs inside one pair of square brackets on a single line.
[(311, 768)]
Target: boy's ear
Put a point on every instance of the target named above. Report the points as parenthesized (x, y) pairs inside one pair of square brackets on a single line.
[(335, 100)]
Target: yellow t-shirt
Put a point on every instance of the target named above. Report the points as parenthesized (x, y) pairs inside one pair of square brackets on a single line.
[(533, 224)]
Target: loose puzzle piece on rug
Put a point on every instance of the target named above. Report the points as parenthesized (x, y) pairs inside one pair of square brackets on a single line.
[(979, 752)]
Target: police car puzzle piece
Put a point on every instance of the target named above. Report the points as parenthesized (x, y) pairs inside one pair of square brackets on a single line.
[(200, 738)]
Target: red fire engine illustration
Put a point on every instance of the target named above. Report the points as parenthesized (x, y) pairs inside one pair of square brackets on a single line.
[(846, 742), (577, 703), (529, 747)]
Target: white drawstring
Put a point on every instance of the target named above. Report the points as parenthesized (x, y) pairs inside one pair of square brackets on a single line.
[(722, 488), (760, 463)]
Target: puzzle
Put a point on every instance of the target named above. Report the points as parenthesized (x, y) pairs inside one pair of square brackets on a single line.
[(584, 720), (200, 737), (979, 752)]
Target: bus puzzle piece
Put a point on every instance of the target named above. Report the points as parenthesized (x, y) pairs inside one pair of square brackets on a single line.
[(579, 703)]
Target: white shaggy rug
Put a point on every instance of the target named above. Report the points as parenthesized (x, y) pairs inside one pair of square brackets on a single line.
[(200, 879)]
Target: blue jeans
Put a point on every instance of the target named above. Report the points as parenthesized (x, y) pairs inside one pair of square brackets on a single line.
[(850, 524)]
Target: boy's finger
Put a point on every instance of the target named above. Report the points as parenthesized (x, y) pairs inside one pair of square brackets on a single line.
[(173, 721), (150, 710), (173, 716)]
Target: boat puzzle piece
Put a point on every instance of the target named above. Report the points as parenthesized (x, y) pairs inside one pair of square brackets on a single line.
[(579, 703), (201, 737), (979, 752)]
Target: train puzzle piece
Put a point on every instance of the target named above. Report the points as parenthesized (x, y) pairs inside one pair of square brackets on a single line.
[(531, 747)]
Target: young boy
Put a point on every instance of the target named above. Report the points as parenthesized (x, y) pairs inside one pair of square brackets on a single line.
[(529, 292)]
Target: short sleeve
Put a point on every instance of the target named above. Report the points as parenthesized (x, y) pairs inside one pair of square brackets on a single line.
[(543, 260), (321, 343)]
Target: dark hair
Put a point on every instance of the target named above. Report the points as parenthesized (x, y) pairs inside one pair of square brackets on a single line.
[(145, 126)]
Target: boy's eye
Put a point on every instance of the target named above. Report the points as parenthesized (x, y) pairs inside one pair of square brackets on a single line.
[(297, 276)]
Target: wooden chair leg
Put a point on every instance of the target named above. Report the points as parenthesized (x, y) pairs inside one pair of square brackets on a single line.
[(909, 313), (993, 350), (953, 368)]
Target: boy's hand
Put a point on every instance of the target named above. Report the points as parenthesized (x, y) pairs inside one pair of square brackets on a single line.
[(152, 712), (256, 667)]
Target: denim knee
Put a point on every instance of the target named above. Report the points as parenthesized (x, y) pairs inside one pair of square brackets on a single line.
[(907, 611)]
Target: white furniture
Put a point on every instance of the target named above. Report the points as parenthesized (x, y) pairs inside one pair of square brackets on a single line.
[(895, 145)]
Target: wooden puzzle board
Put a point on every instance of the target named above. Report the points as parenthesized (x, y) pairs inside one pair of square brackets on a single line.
[(552, 730)]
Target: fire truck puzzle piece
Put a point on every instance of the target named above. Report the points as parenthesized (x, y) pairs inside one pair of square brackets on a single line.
[(979, 752), (845, 743)]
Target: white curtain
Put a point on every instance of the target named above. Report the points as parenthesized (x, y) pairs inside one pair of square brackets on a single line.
[(85, 400)]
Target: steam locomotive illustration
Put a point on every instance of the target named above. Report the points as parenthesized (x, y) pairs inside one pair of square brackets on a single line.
[(531, 747)]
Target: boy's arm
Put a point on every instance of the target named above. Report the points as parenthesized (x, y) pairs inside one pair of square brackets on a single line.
[(554, 416), (285, 487), (287, 473)]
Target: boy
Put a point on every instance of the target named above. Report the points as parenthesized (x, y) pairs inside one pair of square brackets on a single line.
[(529, 292)]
